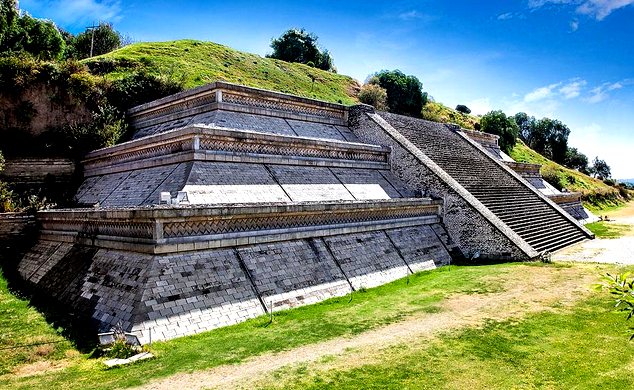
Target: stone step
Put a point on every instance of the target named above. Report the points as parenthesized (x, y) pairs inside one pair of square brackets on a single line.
[(558, 242), (546, 240), (557, 246), (518, 221), (531, 228)]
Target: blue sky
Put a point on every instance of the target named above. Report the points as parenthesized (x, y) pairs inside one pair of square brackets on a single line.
[(572, 60)]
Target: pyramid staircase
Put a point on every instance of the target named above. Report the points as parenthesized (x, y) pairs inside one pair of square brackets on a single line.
[(538, 222)]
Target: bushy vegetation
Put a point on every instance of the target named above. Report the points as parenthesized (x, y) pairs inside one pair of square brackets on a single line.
[(621, 288), (463, 109), (11, 201), (103, 39), (496, 122), (298, 45), (374, 95), (404, 93), (21, 33)]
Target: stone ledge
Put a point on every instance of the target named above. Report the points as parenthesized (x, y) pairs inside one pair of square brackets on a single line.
[(524, 168), (236, 97), (566, 197), (181, 228), (222, 144)]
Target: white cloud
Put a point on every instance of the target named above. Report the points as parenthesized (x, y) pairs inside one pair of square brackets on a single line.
[(480, 106), (74, 12), (505, 16), (574, 25), (598, 9), (600, 93), (617, 85), (410, 15), (540, 93), (573, 88)]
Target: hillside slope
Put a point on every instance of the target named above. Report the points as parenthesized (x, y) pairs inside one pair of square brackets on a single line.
[(200, 63), (596, 194)]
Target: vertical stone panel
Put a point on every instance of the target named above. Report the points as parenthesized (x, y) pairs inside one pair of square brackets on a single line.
[(367, 259), (96, 189), (294, 273), (193, 292), (310, 183), (420, 247), (211, 182), (365, 184), (138, 186)]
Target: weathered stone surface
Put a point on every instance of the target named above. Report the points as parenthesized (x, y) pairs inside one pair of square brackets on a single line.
[(185, 293)]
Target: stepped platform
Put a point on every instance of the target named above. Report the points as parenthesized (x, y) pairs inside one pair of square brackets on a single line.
[(230, 202), (273, 203)]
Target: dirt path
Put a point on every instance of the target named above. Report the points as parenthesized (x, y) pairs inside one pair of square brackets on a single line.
[(618, 250), (527, 289)]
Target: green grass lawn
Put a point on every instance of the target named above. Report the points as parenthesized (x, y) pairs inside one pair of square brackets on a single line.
[(204, 62), (470, 350), (333, 318), (20, 325), (604, 229), (583, 348)]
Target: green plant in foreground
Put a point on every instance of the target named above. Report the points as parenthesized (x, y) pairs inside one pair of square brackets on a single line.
[(621, 287)]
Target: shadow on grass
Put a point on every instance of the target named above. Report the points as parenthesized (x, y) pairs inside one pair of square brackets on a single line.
[(78, 328)]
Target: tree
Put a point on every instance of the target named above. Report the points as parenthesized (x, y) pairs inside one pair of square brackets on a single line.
[(546, 136), (577, 160), (463, 109), (8, 17), (600, 169), (24, 33), (496, 122), (301, 46), (525, 126), (373, 95), (106, 39), (404, 93)]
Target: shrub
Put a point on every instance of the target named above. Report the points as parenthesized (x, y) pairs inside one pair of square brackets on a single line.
[(404, 93), (105, 129), (142, 87), (373, 95), (496, 122), (552, 178), (621, 287), (106, 39), (463, 109)]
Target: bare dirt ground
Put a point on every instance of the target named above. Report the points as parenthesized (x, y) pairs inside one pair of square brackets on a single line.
[(619, 250), (527, 289)]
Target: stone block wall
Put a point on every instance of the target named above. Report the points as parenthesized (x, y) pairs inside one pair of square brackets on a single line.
[(190, 292), (29, 170)]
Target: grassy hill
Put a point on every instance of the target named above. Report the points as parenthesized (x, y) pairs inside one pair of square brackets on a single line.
[(199, 63), (596, 194), (438, 112)]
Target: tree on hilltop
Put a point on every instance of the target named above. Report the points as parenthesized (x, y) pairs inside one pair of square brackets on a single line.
[(106, 39), (600, 169), (463, 109), (404, 93), (496, 122), (577, 160), (301, 46)]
